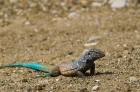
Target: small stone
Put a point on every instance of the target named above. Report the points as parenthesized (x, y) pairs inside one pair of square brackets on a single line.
[(96, 4), (94, 38), (98, 82), (117, 4), (24, 80), (63, 4), (40, 87), (70, 85), (13, 1), (57, 79), (95, 88), (70, 53), (54, 11), (90, 44), (32, 4), (52, 87), (133, 79), (43, 82), (84, 2), (36, 30), (43, 7), (27, 23), (92, 41), (125, 45), (73, 15), (84, 90)]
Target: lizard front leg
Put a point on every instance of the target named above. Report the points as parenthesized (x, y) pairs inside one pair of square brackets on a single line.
[(92, 69)]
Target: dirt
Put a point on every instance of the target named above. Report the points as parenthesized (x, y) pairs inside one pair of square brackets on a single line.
[(52, 39)]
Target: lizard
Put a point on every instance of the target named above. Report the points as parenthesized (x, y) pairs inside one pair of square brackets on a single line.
[(77, 67)]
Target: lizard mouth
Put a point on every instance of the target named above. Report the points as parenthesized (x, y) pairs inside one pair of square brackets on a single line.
[(100, 54)]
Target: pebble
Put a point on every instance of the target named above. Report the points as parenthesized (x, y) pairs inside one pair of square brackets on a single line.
[(95, 88), (73, 15), (27, 23), (92, 41), (90, 44), (36, 30), (43, 7), (84, 2), (52, 87), (25, 80), (40, 87), (117, 4), (133, 79), (13, 1), (57, 79), (84, 90), (98, 82), (43, 82), (70, 85), (96, 4), (31, 5)]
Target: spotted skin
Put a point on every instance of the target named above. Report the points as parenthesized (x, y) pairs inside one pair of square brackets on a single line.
[(84, 63), (78, 67)]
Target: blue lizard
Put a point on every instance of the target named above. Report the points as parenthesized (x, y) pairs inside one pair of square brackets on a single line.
[(78, 67)]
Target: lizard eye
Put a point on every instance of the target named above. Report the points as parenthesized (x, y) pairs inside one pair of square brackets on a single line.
[(88, 53)]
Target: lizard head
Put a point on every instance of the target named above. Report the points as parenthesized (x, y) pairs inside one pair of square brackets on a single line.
[(92, 54)]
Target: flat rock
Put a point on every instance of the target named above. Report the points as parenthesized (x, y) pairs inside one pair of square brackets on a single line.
[(117, 4)]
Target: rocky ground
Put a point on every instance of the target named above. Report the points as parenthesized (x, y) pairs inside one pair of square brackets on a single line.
[(52, 36)]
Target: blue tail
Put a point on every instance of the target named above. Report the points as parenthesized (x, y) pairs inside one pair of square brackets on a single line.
[(34, 66)]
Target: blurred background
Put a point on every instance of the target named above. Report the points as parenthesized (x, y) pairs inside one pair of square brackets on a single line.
[(9, 8)]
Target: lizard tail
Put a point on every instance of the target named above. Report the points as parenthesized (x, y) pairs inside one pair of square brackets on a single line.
[(33, 66)]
